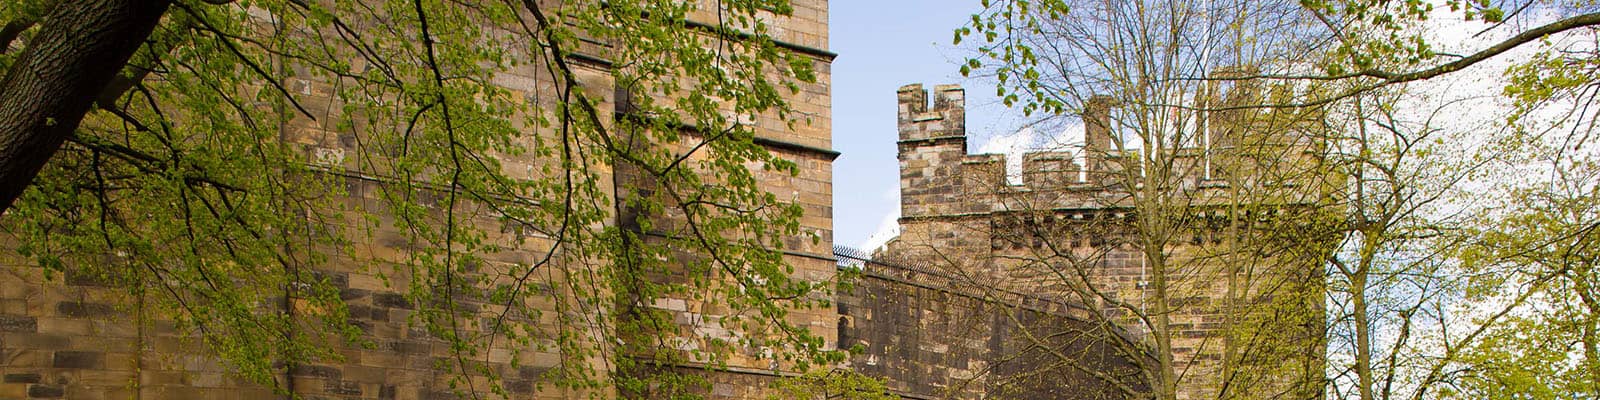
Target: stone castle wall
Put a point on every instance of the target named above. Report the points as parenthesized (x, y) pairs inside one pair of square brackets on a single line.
[(931, 336), (82, 337)]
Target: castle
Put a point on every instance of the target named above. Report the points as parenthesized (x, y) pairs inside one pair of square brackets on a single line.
[(955, 308), (1211, 247)]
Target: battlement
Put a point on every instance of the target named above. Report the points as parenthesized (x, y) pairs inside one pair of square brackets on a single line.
[(945, 118), (1042, 170), (939, 178)]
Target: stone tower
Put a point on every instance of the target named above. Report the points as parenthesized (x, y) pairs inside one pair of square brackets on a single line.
[(81, 338), (1075, 235)]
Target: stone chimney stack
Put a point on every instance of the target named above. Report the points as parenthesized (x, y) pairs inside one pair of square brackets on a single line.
[(1226, 125), (1097, 126), (933, 143)]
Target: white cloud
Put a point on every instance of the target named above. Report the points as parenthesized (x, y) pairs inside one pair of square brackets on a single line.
[(1013, 146), (1068, 137), (888, 228)]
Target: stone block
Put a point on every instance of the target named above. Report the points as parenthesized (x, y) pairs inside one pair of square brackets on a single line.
[(13, 390), (361, 374), (352, 293), (342, 388), (205, 379), (18, 323), (391, 300), (13, 306), (67, 326), (25, 377), (319, 371), (115, 328), (76, 309), (106, 378), (79, 360), (26, 356), (46, 391)]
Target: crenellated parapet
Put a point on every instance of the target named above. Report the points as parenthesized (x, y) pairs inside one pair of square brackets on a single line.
[(944, 118), (939, 178)]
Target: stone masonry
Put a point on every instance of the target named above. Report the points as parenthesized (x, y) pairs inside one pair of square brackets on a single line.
[(931, 335), (79, 337), (947, 312), (1068, 233)]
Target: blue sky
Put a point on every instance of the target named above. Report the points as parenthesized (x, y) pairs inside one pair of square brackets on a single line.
[(882, 45)]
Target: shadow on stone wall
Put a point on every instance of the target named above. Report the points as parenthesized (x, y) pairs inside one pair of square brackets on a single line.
[(932, 337)]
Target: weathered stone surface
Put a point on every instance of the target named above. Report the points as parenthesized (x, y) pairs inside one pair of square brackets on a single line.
[(79, 360), (22, 378), (320, 371), (77, 309), (46, 391), (929, 339), (343, 388), (391, 300), (18, 323)]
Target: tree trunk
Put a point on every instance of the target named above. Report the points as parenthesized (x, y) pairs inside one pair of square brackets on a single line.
[(80, 47), (1363, 318), (1161, 309)]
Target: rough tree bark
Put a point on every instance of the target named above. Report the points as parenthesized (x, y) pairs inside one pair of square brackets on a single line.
[(80, 47)]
